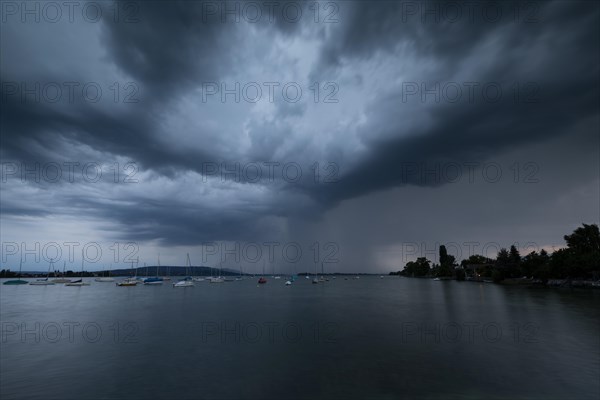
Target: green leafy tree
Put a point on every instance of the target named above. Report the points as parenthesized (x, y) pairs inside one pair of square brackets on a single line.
[(514, 256), (536, 265), (447, 262), (581, 258), (476, 259), (503, 258), (420, 267), (585, 239), (514, 262)]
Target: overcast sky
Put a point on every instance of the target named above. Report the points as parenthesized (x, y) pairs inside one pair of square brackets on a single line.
[(362, 134)]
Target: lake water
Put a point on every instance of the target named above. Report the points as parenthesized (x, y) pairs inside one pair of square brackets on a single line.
[(368, 338)]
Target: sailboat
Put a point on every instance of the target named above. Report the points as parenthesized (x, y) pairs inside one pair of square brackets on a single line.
[(79, 282), (291, 280), (63, 279), (228, 279), (136, 278), (262, 280), (239, 278), (199, 278), (17, 281), (187, 281), (129, 281), (167, 277), (44, 282), (106, 278), (218, 279), (155, 280), (275, 276), (315, 279), (322, 278)]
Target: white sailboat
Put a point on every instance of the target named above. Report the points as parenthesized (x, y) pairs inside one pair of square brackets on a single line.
[(275, 276), (322, 277), (106, 278), (198, 278), (137, 278), (79, 282), (239, 278), (17, 281), (45, 281), (63, 279), (187, 281), (218, 279), (129, 281)]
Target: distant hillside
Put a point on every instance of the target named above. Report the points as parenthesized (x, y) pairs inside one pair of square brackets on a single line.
[(170, 271)]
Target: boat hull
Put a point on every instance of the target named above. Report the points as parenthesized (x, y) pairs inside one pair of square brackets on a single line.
[(104, 279), (16, 282), (60, 280), (183, 284)]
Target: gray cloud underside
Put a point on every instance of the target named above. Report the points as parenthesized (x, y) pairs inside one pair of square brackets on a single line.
[(168, 53)]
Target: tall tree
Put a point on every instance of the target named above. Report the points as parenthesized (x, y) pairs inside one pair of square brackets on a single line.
[(446, 263), (581, 258), (420, 267), (514, 256), (503, 258), (585, 239)]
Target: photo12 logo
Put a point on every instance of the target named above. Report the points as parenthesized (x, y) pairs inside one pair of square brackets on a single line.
[(70, 92), (469, 332), (271, 92), (269, 332), (470, 92), (270, 171), (52, 12), (69, 171), (253, 12), (270, 252), (412, 250), (121, 332), (471, 172), (471, 12), (52, 252)]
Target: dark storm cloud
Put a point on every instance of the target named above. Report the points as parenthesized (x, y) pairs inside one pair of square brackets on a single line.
[(564, 89), (175, 46), (170, 47)]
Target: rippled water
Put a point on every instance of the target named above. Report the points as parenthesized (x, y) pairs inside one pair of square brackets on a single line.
[(377, 338)]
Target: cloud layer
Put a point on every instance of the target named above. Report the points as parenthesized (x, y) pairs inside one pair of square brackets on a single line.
[(213, 121)]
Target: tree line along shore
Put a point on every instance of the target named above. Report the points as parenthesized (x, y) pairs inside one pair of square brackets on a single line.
[(578, 264)]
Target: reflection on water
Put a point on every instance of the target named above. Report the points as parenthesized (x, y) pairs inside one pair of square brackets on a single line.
[(377, 338)]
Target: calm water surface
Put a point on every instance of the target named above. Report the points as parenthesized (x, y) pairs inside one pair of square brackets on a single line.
[(368, 338)]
